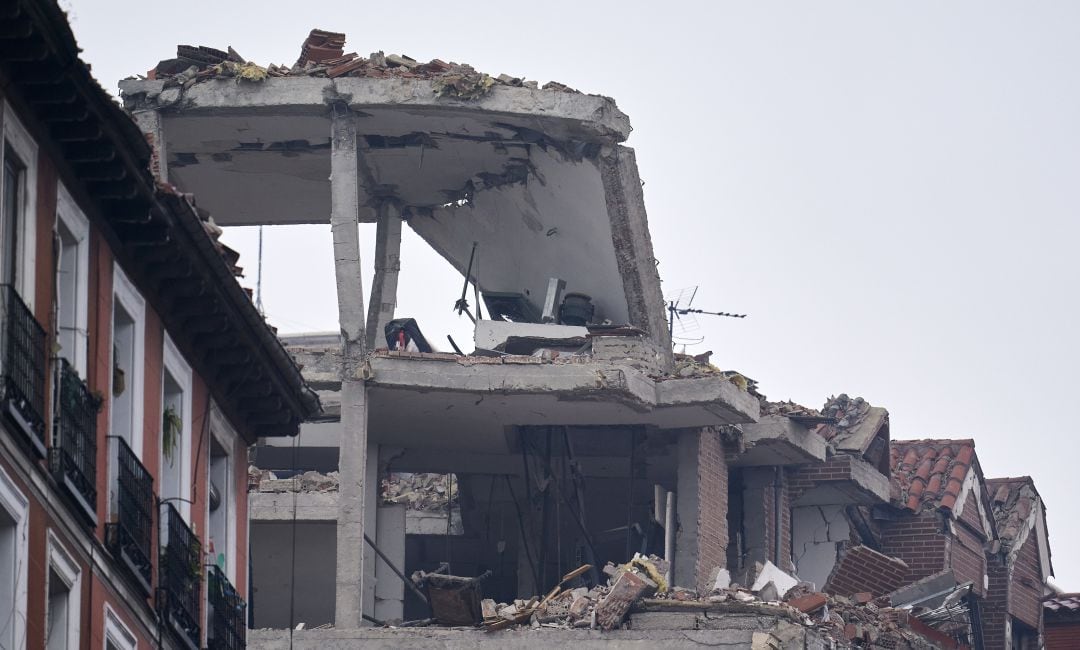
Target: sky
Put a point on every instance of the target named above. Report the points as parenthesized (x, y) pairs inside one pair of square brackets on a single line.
[(888, 190)]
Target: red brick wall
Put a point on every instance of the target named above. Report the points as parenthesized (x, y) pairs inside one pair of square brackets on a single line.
[(918, 540), (968, 557), (1025, 595), (837, 468), (712, 481), (995, 607), (863, 569), (1062, 636)]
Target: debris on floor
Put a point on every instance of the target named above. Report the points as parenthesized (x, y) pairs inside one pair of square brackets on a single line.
[(323, 55)]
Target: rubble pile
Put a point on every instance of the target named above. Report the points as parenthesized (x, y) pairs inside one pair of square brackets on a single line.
[(639, 587), (420, 491), (322, 55), (264, 480)]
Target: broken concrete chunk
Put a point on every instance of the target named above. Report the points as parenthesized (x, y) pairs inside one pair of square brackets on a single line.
[(627, 590), (769, 593), (770, 573)]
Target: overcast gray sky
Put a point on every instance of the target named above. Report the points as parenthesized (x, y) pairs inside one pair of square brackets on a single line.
[(888, 189)]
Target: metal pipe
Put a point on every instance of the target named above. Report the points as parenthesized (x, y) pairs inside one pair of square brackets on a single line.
[(397, 572), (669, 536)]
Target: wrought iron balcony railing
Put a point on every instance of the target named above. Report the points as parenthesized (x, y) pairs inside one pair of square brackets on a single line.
[(22, 367), (180, 576), (131, 516), (73, 455), (227, 615)]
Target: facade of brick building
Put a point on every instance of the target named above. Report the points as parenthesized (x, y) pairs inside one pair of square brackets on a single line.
[(124, 435)]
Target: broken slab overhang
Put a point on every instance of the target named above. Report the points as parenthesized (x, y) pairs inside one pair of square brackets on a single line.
[(780, 440), (849, 480), (415, 399), (535, 178), (103, 159)]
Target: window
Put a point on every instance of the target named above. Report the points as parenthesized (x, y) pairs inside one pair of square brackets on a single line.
[(176, 430), (18, 200), (72, 272), (13, 563), (117, 635), (62, 606), (128, 338), (222, 517)]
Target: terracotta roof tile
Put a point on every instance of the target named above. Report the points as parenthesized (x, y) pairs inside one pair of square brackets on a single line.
[(929, 473), (1063, 603)]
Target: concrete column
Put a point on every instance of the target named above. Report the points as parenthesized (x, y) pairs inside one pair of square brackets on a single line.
[(371, 504), (763, 490), (701, 496), (389, 590), (349, 590), (387, 265), (149, 121), (633, 245)]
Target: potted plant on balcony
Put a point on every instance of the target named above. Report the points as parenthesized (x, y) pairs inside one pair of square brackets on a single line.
[(171, 425)]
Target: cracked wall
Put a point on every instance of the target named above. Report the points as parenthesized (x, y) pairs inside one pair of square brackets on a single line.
[(818, 535)]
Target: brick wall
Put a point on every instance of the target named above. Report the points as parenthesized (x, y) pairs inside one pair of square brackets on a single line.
[(1025, 584), (1062, 636), (712, 484), (863, 569), (837, 468), (995, 607), (968, 557), (918, 540)]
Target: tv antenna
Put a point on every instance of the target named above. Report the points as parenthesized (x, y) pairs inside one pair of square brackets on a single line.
[(683, 315)]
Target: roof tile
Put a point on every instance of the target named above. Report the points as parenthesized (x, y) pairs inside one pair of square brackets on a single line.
[(930, 473)]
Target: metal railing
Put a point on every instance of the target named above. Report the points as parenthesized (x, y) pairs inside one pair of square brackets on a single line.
[(73, 455), (227, 615), (180, 575), (132, 515), (22, 366)]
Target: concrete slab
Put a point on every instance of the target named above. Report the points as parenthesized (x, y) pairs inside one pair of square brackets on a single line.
[(417, 401), (777, 440)]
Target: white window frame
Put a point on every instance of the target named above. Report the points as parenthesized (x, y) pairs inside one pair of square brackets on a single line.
[(115, 630), (125, 293), (174, 363), (18, 138), (18, 507), (75, 221), (227, 437), (67, 569)]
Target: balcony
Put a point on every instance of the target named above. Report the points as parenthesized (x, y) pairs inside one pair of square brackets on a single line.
[(131, 516), (22, 368), (180, 577), (228, 613), (73, 455)]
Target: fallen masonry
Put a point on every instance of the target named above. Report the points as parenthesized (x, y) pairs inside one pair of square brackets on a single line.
[(564, 477)]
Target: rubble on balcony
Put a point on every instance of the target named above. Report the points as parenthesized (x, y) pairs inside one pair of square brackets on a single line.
[(322, 55), (636, 596)]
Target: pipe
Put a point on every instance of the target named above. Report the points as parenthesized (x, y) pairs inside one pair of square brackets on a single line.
[(669, 536), (397, 572), (777, 515)]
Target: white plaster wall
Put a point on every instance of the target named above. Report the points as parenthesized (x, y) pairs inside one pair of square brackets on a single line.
[(816, 533)]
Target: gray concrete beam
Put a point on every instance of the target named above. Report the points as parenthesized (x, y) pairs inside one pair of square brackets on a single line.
[(777, 440), (577, 115)]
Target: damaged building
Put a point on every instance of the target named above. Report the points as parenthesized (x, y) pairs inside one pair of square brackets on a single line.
[(569, 475)]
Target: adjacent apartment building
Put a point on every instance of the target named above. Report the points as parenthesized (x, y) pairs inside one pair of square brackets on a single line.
[(134, 374)]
